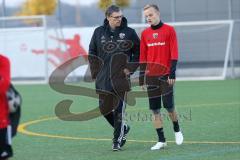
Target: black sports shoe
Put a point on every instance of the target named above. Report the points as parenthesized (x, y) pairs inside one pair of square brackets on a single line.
[(124, 138), (116, 147)]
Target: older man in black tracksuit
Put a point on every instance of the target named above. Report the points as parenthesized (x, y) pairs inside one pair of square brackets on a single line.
[(112, 47)]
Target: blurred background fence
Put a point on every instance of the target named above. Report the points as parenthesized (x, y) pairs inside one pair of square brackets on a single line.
[(208, 33)]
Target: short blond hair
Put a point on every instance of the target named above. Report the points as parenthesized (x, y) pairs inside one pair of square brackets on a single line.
[(151, 6)]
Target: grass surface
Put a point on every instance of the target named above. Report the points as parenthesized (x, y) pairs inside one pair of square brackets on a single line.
[(209, 114)]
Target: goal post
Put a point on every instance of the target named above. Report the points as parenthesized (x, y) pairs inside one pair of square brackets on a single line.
[(204, 48), (19, 36), (35, 47)]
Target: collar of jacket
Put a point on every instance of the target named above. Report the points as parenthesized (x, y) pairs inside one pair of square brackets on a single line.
[(123, 23), (157, 26)]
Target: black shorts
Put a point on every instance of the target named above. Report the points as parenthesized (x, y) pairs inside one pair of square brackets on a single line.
[(5, 143), (160, 92)]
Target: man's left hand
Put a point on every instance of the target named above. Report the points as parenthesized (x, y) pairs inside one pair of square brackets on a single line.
[(126, 71), (171, 82)]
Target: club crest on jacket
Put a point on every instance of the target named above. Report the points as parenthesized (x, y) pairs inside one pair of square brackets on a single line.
[(121, 35), (155, 35)]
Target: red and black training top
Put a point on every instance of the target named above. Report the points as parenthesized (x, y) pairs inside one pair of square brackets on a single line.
[(4, 85), (159, 49)]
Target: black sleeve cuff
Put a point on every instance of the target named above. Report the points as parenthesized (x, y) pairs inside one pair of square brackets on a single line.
[(142, 74), (173, 69)]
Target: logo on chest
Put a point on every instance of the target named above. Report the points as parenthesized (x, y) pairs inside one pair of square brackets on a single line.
[(156, 44), (122, 35), (103, 39), (155, 35)]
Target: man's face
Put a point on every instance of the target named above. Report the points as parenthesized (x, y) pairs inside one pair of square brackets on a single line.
[(152, 16), (115, 19)]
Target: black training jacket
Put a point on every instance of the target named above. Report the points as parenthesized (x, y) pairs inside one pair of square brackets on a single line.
[(110, 52)]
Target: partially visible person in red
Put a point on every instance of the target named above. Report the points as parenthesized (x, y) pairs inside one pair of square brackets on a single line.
[(5, 129)]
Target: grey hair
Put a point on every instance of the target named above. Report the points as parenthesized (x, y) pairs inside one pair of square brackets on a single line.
[(111, 9)]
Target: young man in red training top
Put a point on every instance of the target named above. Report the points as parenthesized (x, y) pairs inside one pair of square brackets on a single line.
[(159, 55), (5, 130)]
